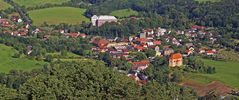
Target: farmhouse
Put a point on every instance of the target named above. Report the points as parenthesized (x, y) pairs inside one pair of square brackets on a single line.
[(176, 60), (100, 20)]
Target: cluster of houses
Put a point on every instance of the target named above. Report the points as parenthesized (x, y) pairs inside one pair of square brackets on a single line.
[(148, 39), (9, 24)]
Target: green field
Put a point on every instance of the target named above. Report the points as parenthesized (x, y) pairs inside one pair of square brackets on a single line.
[(226, 72), (57, 15), (34, 3), (7, 62), (208, 0), (4, 5), (124, 13)]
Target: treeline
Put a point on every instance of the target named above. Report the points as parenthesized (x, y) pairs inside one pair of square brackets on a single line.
[(40, 46), (86, 79)]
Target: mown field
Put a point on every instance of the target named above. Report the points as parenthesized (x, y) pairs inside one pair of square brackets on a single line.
[(208, 0), (4, 5), (34, 3), (124, 13), (57, 15), (226, 72), (7, 62)]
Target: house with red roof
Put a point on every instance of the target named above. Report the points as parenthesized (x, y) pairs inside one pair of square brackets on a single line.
[(73, 35), (102, 43), (157, 42), (148, 31), (141, 65), (5, 23), (210, 52), (176, 60), (195, 27), (139, 48)]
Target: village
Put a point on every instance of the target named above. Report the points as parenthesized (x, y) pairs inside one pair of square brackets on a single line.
[(119, 49), (173, 45), (163, 42)]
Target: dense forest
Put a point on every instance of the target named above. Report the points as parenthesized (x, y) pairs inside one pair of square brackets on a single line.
[(87, 79)]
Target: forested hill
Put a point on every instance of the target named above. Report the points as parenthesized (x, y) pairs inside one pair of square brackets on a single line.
[(217, 14), (175, 14), (86, 79)]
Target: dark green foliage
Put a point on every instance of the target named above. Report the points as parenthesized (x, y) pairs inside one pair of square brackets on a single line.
[(196, 65), (84, 80)]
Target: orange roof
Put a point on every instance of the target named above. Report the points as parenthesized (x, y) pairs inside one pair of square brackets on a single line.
[(176, 56), (73, 35), (210, 51), (144, 62), (139, 47), (142, 40), (102, 43), (147, 30)]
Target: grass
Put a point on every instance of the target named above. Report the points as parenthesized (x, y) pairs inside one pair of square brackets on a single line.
[(34, 3), (7, 62), (69, 57), (229, 55), (124, 13), (57, 15), (227, 72), (4, 5), (208, 0)]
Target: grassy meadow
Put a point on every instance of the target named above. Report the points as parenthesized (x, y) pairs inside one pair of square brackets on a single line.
[(4, 5), (7, 62), (208, 0), (124, 13), (227, 72), (34, 3), (57, 15)]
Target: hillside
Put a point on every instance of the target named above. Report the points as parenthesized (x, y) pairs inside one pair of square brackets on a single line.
[(226, 72), (58, 15), (7, 62), (124, 13), (3, 5), (35, 3)]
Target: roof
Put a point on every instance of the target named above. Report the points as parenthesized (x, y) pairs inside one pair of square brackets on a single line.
[(176, 56), (73, 35), (147, 30), (107, 17), (198, 27), (102, 43), (142, 62), (3, 20), (143, 40), (139, 47), (157, 42), (210, 51)]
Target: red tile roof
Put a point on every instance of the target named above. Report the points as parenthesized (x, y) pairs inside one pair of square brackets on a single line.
[(73, 35), (176, 56), (210, 51), (142, 40), (102, 43), (147, 30), (139, 47), (198, 27), (157, 42), (142, 62)]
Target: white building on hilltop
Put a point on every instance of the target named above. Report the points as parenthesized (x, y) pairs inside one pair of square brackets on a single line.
[(100, 20)]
